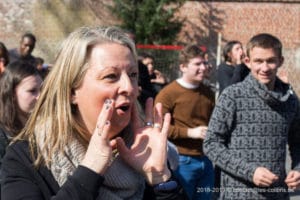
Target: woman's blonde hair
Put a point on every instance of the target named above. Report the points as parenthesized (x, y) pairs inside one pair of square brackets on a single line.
[(54, 113)]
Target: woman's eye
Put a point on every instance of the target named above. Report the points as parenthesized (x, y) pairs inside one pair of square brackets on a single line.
[(110, 76)]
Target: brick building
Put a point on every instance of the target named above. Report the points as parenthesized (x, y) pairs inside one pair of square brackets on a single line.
[(210, 23)]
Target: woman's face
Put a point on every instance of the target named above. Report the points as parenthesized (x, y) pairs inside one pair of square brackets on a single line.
[(112, 74), (27, 93), (236, 53)]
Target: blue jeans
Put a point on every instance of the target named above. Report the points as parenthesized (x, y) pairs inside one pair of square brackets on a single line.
[(196, 176)]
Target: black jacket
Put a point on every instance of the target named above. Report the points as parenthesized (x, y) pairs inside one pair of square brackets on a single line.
[(22, 181), (224, 75)]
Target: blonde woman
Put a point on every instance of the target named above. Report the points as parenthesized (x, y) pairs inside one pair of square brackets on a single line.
[(84, 140)]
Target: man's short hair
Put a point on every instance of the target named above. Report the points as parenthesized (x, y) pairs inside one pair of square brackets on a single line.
[(189, 52), (265, 41), (29, 35)]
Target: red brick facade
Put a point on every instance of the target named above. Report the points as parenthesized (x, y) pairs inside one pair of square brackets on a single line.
[(205, 22)]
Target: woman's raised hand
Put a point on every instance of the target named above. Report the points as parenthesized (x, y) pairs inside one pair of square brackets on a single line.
[(148, 153), (99, 153)]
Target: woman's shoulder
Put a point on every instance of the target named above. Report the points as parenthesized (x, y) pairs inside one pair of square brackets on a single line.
[(19, 144), (18, 149)]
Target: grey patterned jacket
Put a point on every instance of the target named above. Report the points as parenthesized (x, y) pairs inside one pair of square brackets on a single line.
[(249, 128)]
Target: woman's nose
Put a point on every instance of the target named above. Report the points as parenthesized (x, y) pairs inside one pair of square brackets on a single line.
[(126, 85)]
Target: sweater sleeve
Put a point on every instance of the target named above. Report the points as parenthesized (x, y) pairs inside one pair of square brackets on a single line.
[(219, 133), (22, 181), (294, 140)]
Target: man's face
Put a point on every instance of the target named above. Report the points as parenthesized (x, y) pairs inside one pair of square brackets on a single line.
[(195, 70), (26, 46), (264, 64)]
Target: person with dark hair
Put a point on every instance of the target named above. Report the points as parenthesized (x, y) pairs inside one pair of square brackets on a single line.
[(157, 79), (4, 57), (41, 67), (190, 103), (252, 123), (24, 51), (19, 89), (233, 55), (146, 89)]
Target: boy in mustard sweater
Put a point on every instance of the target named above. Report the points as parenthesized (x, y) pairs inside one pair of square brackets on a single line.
[(190, 103)]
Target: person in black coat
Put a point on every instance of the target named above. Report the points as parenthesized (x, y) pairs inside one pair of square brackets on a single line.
[(227, 73), (85, 138), (146, 89)]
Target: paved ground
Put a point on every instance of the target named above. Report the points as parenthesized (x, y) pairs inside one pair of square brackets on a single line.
[(294, 195)]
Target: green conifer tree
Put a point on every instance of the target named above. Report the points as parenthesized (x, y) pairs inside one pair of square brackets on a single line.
[(152, 21)]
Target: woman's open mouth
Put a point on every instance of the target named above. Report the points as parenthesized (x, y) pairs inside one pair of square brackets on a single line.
[(123, 108)]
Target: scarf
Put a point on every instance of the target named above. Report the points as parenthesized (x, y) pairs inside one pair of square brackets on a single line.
[(120, 180)]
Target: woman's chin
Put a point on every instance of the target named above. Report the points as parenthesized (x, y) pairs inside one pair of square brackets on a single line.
[(117, 126)]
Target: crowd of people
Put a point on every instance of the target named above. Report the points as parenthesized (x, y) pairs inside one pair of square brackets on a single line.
[(103, 123)]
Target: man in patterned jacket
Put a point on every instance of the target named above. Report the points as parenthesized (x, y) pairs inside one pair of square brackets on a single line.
[(251, 125)]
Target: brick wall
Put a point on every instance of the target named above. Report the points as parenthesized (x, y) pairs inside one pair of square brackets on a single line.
[(52, 20), (206, 21)]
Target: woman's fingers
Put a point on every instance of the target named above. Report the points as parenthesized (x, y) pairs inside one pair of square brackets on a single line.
[(122, 148), (103, 121), (166, 124), (103, 130), (158, 117), (99, 151), (149, 112)]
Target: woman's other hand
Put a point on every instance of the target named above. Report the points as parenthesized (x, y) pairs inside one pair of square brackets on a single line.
[(148, 153)]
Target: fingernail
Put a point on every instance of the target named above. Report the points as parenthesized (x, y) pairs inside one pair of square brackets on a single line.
[(107, 101)]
